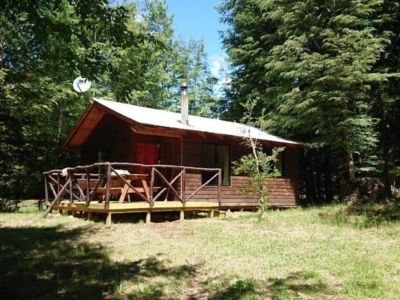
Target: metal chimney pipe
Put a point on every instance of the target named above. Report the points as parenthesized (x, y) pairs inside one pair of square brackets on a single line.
[(184, 104)]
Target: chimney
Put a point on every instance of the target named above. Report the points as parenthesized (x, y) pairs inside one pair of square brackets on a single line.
[(184, 104)]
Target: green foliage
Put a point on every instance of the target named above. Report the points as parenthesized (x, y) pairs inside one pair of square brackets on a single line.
[(259, 166), (128, 52), (150, 73), (314, 68), (262, 168), (311, 68), (8, 205)]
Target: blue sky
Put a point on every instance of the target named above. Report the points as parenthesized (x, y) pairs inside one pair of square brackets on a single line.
[(199, 19)]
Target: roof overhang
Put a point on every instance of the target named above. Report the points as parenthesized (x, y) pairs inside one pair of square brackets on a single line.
[(85, 125)]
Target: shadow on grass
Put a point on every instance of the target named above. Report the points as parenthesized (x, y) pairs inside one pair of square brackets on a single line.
[(363, 215), (307, 284), (51, 263), (137, 218), (236, 290)]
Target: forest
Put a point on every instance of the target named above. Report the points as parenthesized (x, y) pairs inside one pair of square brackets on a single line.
[(324, 73)]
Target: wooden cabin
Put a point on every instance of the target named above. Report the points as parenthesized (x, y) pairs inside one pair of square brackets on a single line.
[(116, 132), (141, 160)]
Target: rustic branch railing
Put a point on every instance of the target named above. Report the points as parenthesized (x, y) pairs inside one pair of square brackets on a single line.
[(71, 180)]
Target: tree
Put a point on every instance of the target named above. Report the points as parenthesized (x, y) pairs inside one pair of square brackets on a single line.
[(310, 66), (258, 165), (386, 101), (150, 75), (44, 45), (130, 55)]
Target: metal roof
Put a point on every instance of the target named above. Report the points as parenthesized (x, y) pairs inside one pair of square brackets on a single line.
[(162, 118)]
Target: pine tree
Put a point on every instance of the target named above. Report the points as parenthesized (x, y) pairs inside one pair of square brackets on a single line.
[(386, 100), (309, 65)]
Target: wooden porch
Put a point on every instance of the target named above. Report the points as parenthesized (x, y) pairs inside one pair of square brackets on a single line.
[(136, 207), (115, 188)]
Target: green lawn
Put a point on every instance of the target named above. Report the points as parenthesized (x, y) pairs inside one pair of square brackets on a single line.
[(290, 254)]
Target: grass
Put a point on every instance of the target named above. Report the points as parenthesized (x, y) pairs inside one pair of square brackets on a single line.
[(290, 254)]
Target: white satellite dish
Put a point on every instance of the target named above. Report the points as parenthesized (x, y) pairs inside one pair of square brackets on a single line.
[(81, 84)]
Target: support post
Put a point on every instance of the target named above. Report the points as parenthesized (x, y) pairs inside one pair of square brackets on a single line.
[(109, 219), (89, 215), (212, 213), (182, 215), (148, 217)]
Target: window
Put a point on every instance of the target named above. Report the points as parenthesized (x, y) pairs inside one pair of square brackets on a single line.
[(103, 155), (280, 163), (215, 156)]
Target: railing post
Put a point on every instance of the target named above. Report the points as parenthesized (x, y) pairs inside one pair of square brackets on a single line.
[(58, 182), (108, 187), (87, 200), (151, 187), (46, 191), (183, 197), (71, 198), (57, 198), (219, 186)]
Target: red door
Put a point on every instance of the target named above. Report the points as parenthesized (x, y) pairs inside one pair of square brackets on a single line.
[(147, 154)]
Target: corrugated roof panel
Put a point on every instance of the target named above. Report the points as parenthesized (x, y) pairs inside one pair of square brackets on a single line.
[(162, 118)]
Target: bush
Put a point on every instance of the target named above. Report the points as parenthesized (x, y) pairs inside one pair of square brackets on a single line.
[(8, 205)]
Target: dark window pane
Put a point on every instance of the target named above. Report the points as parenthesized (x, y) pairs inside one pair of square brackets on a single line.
[(215, 156), (222, 162)]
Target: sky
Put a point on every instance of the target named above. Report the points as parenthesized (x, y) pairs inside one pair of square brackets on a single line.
[(199, 19)]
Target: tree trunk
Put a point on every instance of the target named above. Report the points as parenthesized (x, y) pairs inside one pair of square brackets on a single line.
[(347, 187), (328, 188), (309, 178), (349, 167), (318, 179), (385, 153)]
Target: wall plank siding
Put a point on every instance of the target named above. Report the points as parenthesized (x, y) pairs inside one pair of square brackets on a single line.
[(281, 192)]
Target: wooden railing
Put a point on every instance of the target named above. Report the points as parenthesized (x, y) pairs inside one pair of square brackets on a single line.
[(83, 183)]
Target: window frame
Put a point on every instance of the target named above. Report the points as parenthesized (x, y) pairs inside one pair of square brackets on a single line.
[(215, 145), (104, 150)]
